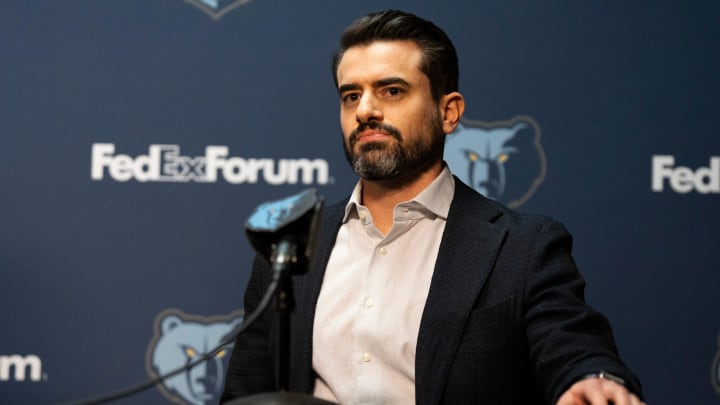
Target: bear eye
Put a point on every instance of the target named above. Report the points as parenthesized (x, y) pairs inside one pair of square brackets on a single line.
[(221, 353), (503, 157), (473, 156), (190, 352)]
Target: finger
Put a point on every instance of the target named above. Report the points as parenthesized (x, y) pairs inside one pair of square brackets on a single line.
[(618, 398), (618, 394), (568, 398), (596, 397)]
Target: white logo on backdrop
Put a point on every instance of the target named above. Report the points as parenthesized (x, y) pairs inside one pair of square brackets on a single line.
[(216, 9), (163, 163), (20, 368), (682, 179)]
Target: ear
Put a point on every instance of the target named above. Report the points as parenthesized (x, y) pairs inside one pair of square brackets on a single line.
[(169, 323), (452, 106)]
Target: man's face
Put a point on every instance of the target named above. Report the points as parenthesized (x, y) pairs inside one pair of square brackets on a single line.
[(391, 125)]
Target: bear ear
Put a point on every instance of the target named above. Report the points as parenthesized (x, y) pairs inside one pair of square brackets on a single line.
[(520, 126), (170, 322)]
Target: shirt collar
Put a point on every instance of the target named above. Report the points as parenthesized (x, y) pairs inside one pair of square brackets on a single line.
[(436, 197)]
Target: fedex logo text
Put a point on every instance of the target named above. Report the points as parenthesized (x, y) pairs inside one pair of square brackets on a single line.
[(683, 179), (22, 366), (163, 163)]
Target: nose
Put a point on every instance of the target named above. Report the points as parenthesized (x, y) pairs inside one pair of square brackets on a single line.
[(368, 109)]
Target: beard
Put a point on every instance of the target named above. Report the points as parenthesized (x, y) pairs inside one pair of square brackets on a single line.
[(392, 158)]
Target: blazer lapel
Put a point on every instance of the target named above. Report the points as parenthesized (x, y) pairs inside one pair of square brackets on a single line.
[(467, 251)]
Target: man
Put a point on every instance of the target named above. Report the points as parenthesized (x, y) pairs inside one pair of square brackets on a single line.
[(424, 291)]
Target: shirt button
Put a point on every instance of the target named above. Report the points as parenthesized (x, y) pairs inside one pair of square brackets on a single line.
[(362, 214), (383, 251), (406, 209), (366, 357), (369, 302)]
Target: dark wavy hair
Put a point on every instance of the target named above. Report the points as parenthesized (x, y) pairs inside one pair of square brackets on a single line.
[(439, 63)]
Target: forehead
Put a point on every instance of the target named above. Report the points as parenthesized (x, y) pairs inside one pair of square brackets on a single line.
[(378, 60)]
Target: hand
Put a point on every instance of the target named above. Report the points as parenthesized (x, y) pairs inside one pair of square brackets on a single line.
[(598, 391)]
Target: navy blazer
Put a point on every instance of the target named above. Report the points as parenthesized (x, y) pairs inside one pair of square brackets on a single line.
[(505, 320)]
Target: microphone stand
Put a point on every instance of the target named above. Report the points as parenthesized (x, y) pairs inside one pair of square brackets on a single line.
[(282, 259), (283, 256)]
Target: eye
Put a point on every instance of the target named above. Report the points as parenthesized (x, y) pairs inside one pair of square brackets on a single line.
[(190, 352), (350, 98), (221, 353), (393, 91), (503, 157), (473, 156)]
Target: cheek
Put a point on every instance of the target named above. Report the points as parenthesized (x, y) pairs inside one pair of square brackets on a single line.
[(416, 121), (413, 114), (347, 120)]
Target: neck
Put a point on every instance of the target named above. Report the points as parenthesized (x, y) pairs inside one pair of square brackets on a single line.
[(381, 196)]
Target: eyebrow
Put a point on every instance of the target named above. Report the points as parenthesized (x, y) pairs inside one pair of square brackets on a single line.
[(379, 83)]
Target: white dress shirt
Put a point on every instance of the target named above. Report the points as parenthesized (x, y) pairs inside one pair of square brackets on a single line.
[(372, 299)]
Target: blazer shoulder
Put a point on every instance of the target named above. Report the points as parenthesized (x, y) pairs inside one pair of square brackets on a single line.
[(468, 203)]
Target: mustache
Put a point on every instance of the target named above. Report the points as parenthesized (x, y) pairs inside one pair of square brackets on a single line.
[(389, 129)]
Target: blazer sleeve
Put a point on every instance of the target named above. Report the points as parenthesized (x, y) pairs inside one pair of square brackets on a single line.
[(250, 370), (567, 338)]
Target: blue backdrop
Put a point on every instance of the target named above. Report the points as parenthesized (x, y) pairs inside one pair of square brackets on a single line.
[(137, 136)]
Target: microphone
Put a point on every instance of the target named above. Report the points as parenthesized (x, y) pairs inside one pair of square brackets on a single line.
[(292, 220)]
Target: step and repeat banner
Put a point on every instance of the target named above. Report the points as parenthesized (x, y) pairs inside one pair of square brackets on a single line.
[(137, 136)]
